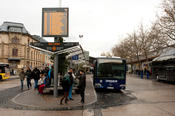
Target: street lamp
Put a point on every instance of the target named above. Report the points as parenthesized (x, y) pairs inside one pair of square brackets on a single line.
[(80, 36)]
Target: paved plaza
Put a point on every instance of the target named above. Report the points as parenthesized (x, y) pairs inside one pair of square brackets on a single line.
[(142, 97)]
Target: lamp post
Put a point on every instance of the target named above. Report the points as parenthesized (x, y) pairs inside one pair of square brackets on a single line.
[(60, 3), (55, 93)]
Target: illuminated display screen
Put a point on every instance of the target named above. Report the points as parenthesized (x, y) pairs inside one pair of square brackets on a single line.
[(55, 22), (54, 46)]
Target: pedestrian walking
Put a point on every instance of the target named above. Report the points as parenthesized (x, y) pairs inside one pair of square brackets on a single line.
[(22, 77), (29, 77), (36, 76), (70, 72), (82, 85), (66, 87)]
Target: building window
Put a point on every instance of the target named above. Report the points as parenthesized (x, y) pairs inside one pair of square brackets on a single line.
[(28, 51), (15, 40), (32, 55), (28, 41), (15, 52)]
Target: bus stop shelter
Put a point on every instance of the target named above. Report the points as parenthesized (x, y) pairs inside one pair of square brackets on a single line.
[(71, 50)]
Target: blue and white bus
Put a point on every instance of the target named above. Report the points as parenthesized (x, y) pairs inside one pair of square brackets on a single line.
[(109, 73)]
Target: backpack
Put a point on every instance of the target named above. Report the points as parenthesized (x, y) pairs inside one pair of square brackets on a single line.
[(29, 73), (47, 81), (66, 80)]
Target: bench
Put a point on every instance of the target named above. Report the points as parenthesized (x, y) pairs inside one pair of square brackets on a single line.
[(51, 88)]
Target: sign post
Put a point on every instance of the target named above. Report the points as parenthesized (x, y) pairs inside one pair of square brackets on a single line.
[(55, 76), (54, 24)]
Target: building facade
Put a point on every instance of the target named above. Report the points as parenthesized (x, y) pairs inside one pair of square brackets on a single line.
[(15, 49)]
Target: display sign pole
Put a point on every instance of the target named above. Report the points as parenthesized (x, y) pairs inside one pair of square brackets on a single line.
[(60, 3), (55, 72), (55, 93)]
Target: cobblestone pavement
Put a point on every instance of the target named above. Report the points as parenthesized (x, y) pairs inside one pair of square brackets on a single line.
[(31, 100), (9, 83), (7, 95), (141, 97)]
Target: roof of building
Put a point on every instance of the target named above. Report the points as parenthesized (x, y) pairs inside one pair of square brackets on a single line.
[(166, 55), (18, 28), (13, 27)]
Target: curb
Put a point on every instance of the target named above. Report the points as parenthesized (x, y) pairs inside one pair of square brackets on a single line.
[(21, 106), (14, 77)]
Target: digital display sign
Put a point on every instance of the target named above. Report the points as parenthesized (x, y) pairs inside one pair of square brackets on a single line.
[(54, 46), (55, 22)]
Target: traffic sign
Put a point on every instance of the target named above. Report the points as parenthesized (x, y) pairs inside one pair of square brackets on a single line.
[(75, 57), (54, 46)]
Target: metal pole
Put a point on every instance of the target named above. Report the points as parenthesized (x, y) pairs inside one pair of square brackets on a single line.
[(71, 63), (55, 93), (60, 3), (55, 76)]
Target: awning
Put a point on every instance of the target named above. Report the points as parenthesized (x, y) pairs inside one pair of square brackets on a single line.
[(162, 58), (72, 50), (14, 59)]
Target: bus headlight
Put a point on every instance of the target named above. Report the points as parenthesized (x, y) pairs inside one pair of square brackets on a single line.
[(97, 85), (122, 86)]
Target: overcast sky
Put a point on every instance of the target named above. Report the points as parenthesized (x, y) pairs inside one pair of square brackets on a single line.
[(101, 22)]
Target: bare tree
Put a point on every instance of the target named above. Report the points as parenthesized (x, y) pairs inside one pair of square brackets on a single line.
[(167, 20), (129, 48), (121, 50), (159, 40), (103, 54), (108, 54)]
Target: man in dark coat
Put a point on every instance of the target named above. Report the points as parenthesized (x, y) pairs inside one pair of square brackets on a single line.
[(22, 77), (82, 85), (29, 77), (36, 76)]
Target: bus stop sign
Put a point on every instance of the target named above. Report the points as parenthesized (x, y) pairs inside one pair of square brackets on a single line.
[(75, 57)]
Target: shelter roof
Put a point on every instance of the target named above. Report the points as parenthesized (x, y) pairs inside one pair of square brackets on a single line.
[(166, 55)]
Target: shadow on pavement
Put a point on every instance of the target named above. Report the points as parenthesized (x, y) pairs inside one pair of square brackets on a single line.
[(109, 98)]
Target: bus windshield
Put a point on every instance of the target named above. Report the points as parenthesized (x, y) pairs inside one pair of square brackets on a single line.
[(110, 69)]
